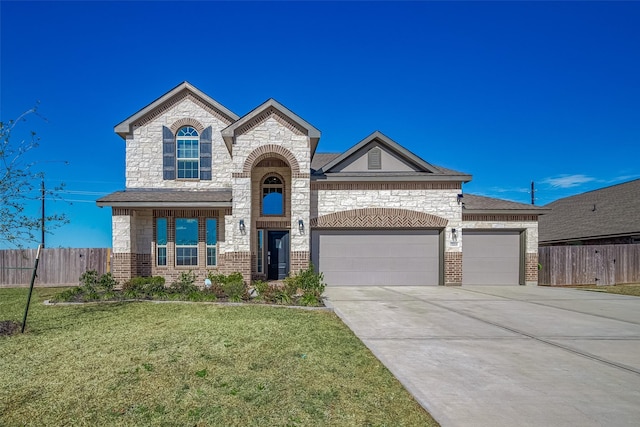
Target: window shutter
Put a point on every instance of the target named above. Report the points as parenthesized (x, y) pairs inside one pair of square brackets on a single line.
[(205, 154), (168, 154), (375, 158)]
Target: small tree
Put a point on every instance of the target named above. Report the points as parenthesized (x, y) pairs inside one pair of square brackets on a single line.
[(19, 180)]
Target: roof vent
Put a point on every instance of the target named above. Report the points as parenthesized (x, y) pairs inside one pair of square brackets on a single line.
[(375, 159)]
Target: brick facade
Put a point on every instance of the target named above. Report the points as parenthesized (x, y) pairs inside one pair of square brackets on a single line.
[(299, 261), (273, 140), (531, 268), (453, 268)]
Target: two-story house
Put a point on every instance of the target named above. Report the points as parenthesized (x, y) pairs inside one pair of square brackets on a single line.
[(208, 190)]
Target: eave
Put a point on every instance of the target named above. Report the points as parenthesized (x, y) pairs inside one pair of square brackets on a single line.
[(125, 127), (229, 133), (158, 205)]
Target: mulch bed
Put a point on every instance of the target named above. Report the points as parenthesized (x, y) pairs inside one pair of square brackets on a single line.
[(9, 327)]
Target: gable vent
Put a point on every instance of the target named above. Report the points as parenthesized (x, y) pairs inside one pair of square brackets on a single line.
[(375, 158)]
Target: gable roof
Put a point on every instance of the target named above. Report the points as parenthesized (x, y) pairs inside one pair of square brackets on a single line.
[(264, 110), (125, 127), (424, 169), (607, 212), (472, 203)]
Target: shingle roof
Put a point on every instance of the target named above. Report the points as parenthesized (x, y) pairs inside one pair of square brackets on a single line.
[(126, 126), (321, 159), (607, 212), (473, 203), (159, 198)]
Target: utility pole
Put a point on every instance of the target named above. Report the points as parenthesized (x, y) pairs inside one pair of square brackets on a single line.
[(42, 219), (533, 195)]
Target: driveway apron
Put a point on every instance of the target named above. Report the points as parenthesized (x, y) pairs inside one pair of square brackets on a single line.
[(504, 355)]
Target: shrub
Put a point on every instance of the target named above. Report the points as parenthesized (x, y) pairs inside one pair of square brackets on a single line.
[(144, 287), (68, 295), (309, 283), (262, 288), (185, 283), (107, 282), (231, 286), (271, 292), (89, 279), (234, 287)]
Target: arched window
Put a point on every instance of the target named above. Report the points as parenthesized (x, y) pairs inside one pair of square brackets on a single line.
[(188, 153), (272, 196)]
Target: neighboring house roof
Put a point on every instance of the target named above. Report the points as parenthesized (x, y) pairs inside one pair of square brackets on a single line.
[(126, 126), (420, 169), (472, 203), (608, 212), (168, 198), (260, 113)]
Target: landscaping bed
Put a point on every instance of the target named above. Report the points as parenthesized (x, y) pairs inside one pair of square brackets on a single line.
[(302, 289)]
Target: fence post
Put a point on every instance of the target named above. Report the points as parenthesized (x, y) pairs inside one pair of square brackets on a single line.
[(33, 279)]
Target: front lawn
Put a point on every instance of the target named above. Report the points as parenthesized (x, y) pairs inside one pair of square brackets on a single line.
[(618, 289), (191, 364)]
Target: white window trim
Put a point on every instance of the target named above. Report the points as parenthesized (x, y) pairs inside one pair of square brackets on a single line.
[(186, 246), (158, 246), (208, 246), (187, 159)]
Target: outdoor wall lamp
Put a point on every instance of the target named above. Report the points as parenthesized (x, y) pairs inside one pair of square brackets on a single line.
[(454, 234), (460, 196), (242, 227), (301, 225)]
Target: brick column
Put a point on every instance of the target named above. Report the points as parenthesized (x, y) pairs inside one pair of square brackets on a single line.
[(531, 269), (453, 268)]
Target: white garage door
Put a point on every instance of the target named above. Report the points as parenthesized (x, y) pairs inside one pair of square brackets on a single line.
[(490, 257), (377, 257)]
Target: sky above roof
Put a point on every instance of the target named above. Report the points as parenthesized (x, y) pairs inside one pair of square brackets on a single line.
[(509, 92)]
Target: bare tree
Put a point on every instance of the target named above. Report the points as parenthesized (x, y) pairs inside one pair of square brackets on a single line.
[(20, 181)]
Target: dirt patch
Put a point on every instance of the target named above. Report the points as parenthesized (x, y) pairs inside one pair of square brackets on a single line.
[(8, 327)]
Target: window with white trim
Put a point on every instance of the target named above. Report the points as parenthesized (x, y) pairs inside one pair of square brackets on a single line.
[(161, 241), (212, 242), (186, 241), (188, 153)]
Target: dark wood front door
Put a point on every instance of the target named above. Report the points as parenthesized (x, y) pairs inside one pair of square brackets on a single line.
[(277, 254)]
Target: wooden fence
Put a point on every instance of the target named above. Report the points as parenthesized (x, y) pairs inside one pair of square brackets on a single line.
[(57, 266), (589, 265)]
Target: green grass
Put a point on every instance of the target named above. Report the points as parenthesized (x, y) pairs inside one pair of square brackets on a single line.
[(189, 364), (618, 289)]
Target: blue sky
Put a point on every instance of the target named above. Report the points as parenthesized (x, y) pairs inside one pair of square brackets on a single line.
[(510, 92)]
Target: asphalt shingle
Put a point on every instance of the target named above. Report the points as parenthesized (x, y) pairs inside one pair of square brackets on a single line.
[(607, 212)]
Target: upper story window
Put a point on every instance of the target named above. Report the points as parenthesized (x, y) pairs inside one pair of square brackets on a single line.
[(272, 196), (188, 153)]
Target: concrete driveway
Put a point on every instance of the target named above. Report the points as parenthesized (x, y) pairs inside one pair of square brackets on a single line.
[(505, 355)]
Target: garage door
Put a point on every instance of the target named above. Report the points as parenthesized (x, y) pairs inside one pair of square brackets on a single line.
[(377, 257), (490, 257)]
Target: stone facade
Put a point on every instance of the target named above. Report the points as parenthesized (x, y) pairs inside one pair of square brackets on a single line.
[(271, 140), (144, 149)]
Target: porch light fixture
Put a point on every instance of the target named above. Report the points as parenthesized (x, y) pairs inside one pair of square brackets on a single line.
[(460, 196), (301, 225), (241, 226), (454, 234)]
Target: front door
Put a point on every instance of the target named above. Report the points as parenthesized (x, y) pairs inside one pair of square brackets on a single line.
[(277, 254)]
